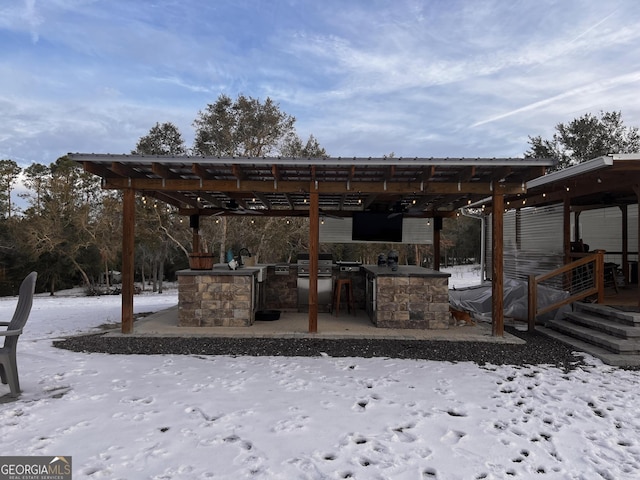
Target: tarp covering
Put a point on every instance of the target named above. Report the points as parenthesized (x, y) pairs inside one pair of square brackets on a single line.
[(477, 300)]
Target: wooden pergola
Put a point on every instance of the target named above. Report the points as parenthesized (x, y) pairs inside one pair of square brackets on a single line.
[(423, 187)]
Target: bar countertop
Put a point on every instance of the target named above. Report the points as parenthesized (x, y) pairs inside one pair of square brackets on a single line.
[(404, 271)]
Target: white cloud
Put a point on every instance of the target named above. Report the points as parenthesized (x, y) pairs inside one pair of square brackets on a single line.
[(430, 77)]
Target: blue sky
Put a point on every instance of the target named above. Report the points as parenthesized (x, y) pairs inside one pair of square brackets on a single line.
[(367, 78)]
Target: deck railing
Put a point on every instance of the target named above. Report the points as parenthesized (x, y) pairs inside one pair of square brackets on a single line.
[(581, 278)]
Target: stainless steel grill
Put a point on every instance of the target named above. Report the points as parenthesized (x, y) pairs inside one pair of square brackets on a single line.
[(325, 264), (325, 281), (349, 266)]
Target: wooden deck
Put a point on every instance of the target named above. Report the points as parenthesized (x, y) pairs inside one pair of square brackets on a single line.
[(626, 296)]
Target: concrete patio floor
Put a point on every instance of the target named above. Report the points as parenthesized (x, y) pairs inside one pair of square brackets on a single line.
[(296, 325)]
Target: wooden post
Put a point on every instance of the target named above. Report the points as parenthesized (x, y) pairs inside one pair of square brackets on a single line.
[(566, 232), (636, 188), (625, 244), (314, 249), (599, 275), (194, 223), (437, 226), (532, 302), (497, 280), (128, 236), (566, 239)]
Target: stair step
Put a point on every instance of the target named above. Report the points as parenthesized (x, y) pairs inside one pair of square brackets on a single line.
[(603, 354), (606, 325), (601, 339), (620, 316)]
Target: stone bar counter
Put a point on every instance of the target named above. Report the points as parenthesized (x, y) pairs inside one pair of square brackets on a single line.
[(410, 297), (217, 298)]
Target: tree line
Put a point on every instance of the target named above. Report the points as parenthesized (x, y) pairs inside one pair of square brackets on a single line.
[(70, 229)]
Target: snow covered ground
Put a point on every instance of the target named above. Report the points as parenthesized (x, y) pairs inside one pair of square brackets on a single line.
[(207, 417)]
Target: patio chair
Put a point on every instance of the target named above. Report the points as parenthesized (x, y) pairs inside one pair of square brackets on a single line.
[(8, 365)]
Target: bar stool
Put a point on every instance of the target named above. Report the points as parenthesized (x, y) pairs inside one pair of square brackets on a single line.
[(351, 306)]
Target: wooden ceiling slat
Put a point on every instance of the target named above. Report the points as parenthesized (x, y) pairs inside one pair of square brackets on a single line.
[(172, 198), (97, 169), (125, 170), (163, 171), (200, 171)]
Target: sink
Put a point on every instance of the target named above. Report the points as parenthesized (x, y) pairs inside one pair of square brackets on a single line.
[(261, 269)]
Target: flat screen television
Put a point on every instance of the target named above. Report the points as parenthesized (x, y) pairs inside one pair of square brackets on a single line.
[(376, 227)]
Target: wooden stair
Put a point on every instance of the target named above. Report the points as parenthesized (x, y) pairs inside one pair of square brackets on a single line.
[(607, 333)]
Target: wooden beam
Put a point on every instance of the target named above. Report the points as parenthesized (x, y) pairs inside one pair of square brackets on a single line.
[(497, 280), (200, 171), (625, 244), (566, 229), (97, 169), (636, 189), (352, 173), (265, 201), (466, 174), (163, 171), (324, 187), (314, 250), (173, 198), (501, 173), (585, 186), (125, 171), (577, 235), (436, 242), (128, 245), (237, 172)]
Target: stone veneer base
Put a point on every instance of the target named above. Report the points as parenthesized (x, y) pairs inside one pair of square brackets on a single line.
[(412, 302), (210, 300)]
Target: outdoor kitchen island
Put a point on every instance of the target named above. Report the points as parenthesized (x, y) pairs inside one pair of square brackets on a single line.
[(219, 297), (409, 297)]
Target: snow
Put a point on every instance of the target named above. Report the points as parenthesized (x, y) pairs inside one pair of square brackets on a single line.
[(224, 417), (463, 275)]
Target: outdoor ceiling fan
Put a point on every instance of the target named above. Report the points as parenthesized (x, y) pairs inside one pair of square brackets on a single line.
[(236, 209)]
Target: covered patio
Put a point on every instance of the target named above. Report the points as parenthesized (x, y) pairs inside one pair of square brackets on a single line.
[(418, 187), (573, 201)]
